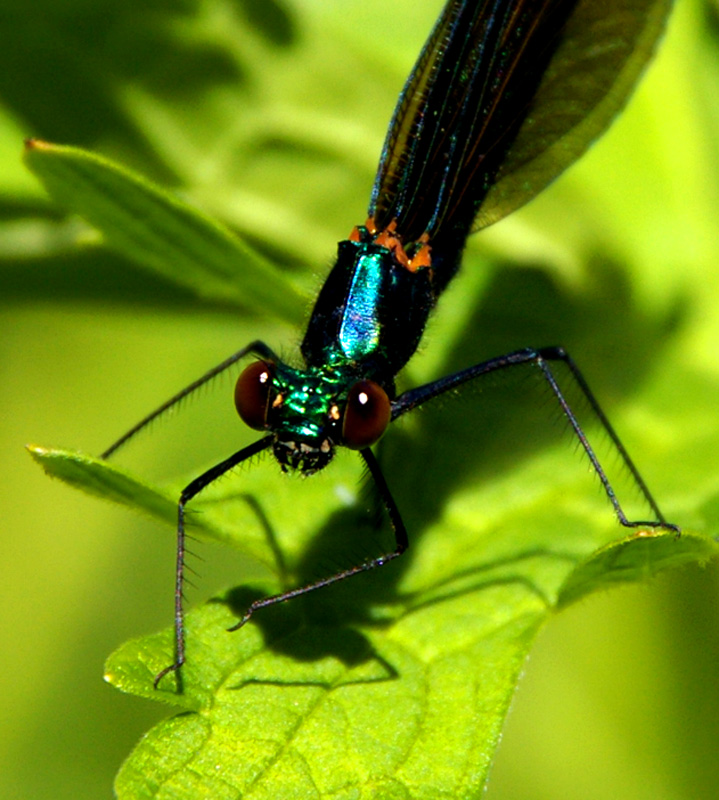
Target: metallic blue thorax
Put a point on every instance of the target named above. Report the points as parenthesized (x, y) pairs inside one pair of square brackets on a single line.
[(370, 314), (360, 329)]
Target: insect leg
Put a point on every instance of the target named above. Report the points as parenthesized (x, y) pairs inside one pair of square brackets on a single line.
[(257, 347), (401, 544), (560, 354), (541, 358), (190, 491)]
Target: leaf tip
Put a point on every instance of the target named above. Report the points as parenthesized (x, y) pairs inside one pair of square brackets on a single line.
[(36, 144)]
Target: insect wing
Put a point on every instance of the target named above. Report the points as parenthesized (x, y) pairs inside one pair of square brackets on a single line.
[(504, 96), (604, 50)]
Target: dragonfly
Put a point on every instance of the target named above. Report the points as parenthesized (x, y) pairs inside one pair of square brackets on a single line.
[(503, 97)]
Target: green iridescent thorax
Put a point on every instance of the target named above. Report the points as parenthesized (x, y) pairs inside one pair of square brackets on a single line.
[(306, 402)]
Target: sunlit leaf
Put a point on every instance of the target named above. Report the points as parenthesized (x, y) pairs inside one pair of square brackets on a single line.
[(152, 227)]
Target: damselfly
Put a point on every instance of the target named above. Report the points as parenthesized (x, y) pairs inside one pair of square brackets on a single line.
[(504, 95)]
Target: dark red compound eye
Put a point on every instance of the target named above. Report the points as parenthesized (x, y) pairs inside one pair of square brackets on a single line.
[(252, 394), (367, 415)]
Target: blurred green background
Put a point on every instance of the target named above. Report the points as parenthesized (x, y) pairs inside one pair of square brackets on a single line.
[(270, 115)]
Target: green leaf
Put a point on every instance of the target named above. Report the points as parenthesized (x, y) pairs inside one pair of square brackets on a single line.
[(294, 707), (375, 711), (158, 231), (636, 558), (102, 480), (99, 478), (426, 653)]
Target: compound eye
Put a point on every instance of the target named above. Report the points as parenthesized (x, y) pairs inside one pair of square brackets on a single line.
[(367, 415), (252, 394)]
